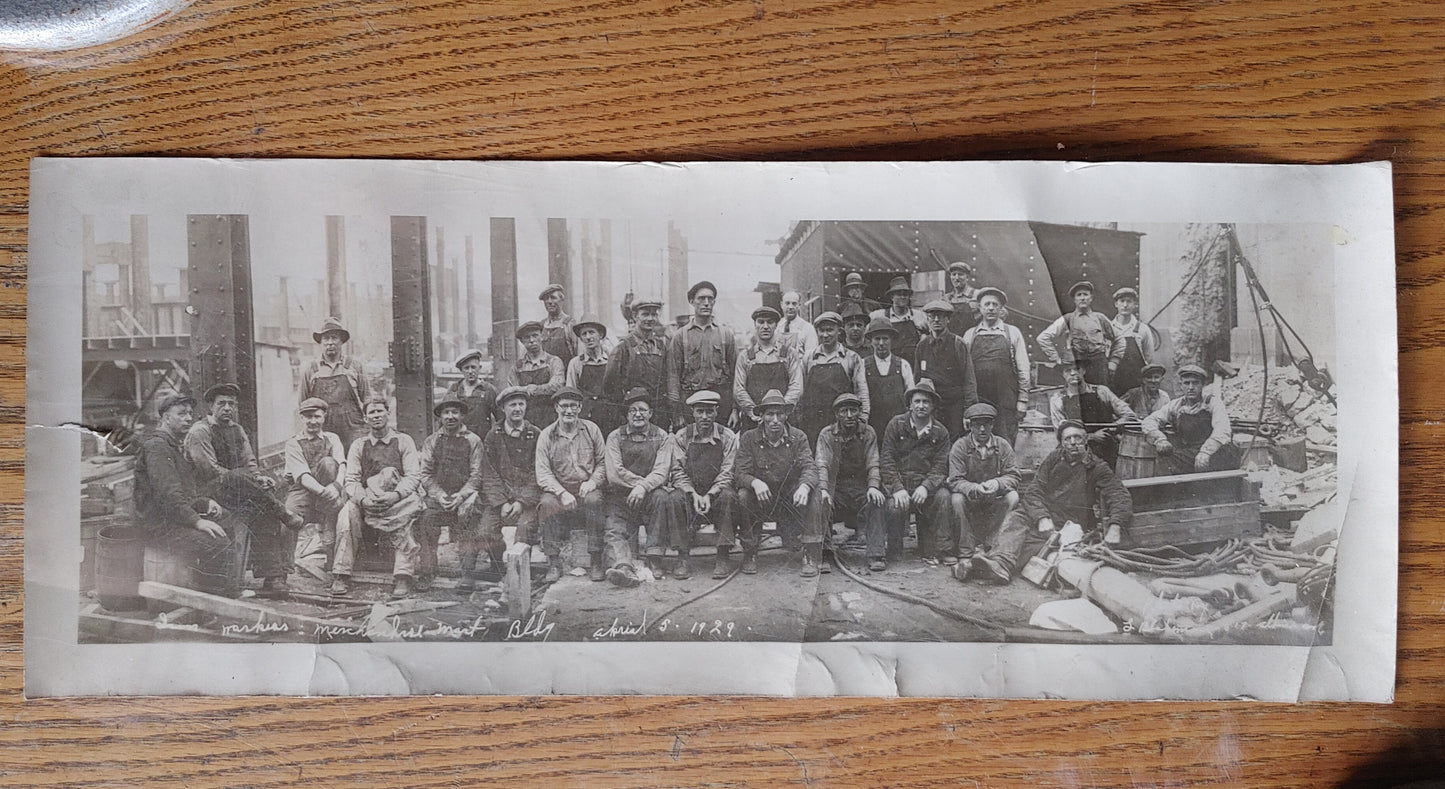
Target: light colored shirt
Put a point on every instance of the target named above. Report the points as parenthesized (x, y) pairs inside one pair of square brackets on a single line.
[(798, 333), (1089, 329), (1022, 366), (620, 476), (699, 357), (200, 449), (688, 436), (410, 463), (885, 367), (296, 464), (564, 461), (574, 366), (851, 363), (1220, 431), (914, 314), (1121, 409), (757, 354), (1143, 334), (553, 364), (344, 365)]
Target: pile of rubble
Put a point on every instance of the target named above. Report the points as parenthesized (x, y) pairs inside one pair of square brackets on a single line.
[(1283, 489), (1290, 402)]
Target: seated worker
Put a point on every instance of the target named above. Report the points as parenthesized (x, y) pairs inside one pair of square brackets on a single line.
[(765, 365), (1148, 397), (1096, 407), (913, 467), (451, 478), (509, 483), (776, 477), (849, 484), (1070, 483), (173, 513), (984, 479), (480, 396), (540, 374), (316, 469), (571, 467), (704, 454), (226, 466), (639, 465), (1199, 423), (383, 472)]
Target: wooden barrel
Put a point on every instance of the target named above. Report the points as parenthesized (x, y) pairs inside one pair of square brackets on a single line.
[(119, 565), (1034, 443), (1137, 458)]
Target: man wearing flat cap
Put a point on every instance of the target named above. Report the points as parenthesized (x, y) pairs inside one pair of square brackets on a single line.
[(1084, 337), (510, 493), (339, 380), (943, 358), (1192, 432), (1149, 396), (963, 297), (1001, 364), (175, 513), (640, 360), (701, 355), (587, 373), (571, 465), (1096, 406), (557, 336), (913, 467), (639, 465), (830, 370), (704, 459), (984, 479), (383, 473), (765, 365), (226, 465), (889, 376), (1141, 342), (849, 485), (776, 481), (1070, 486), (910, 323), (479, 396), (451, 478), (538, 373), (316, 468)]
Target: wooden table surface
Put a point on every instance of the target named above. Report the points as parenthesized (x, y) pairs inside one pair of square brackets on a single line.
[(1222, 80)]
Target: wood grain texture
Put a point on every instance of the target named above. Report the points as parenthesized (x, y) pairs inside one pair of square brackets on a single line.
[(1261, 81)]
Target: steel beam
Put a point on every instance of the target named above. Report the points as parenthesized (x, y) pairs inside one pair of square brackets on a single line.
[(222, 329), (411, 352)]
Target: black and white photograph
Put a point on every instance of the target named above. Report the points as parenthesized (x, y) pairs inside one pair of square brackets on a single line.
[(638, 425)]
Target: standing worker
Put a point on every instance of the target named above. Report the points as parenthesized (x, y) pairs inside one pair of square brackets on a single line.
[(848, 479), (830, 370), (889, 376), (704, 457), (1141, 342), (853, 289), (776, 478), (557, 336), (339, 380), (587, 373), (480, 396), (855, 324), (540, 374), (794, 330), (639, 360), (701, 355), (765, 365), (963, 297), (910, 322), (1001, 364), (1084, 337), (943, 358)]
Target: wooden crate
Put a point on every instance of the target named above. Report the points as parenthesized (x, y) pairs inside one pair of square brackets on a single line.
[(1193, 525)]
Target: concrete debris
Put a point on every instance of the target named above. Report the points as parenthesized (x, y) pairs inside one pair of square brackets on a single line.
[(1077, 614), (1281, 488), (1320, 526), (1290, 402)]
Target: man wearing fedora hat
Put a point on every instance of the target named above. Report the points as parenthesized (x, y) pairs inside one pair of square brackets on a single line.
[(451, 477), (510, 493), (571, 465), (913, 467), (175, 513), (853, 290), (830, 370), (1192, 432), (855, 323), (587, 373), (1001, 364), (480, 396), (943, 358), (701, 355), (226, 464), (1070, 486), (704, 458), (1149, 396), (639, 359), (316, 468), (776, 480), (558, 338), (1084, 337), (963, 297), (339, 380), (765, 365), (889, 376), (849, 485), (1141, 341), (984, 479), (383, 473), (639, 465), (910, 323), (540, 374)]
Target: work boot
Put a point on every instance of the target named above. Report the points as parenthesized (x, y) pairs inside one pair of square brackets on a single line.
[(292, 521), (654, 565), (595, 570), (423, 582), (962, 569), (877, 565), (467, 583), (949, 561), (554, 571), (275, 586), (682, 571), (998, 574), (623, 575), (812, 554), (402, 587), (340, 585), (721, 568), (750, 563)]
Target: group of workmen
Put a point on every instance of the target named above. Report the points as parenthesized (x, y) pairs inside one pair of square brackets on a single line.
[(872, 415)]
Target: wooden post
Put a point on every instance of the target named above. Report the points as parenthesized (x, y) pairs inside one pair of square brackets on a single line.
[(517, 585), (140, 273)]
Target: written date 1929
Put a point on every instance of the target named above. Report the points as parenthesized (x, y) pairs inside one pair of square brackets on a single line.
[(711, 629)]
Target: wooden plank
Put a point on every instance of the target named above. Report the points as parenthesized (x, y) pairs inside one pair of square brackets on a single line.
[(112, 627), (1193, 525), (517, 585), (243, 611)]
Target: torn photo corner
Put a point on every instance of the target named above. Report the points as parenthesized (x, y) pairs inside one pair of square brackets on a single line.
[(992, 429)]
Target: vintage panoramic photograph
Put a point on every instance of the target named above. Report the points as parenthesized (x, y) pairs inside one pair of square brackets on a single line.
[(308, 426)]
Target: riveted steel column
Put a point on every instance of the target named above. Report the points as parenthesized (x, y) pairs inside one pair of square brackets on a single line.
[(411, 326), (219, 304)]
